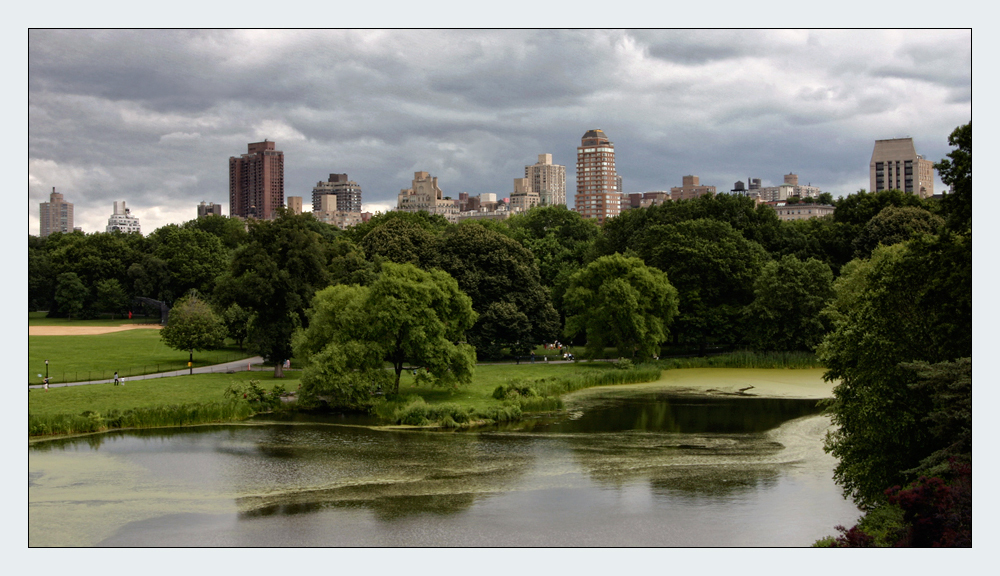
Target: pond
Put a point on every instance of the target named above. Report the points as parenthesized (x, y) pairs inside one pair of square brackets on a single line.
[(637, 469)]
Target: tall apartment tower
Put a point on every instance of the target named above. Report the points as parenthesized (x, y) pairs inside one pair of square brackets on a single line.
[(597, 194), (347, 191), (896, 165), (548, 180), (257, 182), (56, 215)]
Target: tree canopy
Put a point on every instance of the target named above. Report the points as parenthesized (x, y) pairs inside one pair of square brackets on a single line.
[(500, 275), (274, 276), (789, 296), (956, 171), (911, 302), (410, 318), (619, 301), (193, 326), (713, 267)]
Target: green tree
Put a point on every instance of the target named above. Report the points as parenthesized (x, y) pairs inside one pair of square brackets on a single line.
[(893, 225), (911, 302), (401, 241), (70, 294), (193, 326), (789, 296), (187, 259), (41, 280), (274, 276), (757, 223), (232, 232), (237, 321), (493, 268), (111, 297), (858, 208), (956, 171), (560, 239), (713, 268), (619, 301), (410, 318), (432, 223)]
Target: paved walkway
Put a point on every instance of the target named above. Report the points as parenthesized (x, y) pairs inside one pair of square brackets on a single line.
[(235, 366)]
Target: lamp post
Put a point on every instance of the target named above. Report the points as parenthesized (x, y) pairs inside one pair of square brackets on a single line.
[(46, 368)]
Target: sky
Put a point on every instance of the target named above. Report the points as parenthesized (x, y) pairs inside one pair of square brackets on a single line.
[(151, 117)]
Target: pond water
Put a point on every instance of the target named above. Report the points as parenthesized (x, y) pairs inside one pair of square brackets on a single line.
[(644, 469)]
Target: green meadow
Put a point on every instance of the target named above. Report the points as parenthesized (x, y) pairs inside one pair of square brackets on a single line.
[(97, 357), (102, 398)]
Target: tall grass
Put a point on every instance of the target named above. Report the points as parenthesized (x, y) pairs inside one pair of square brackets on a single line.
[(554, 386), (744, 359), (154, 417), (415, 411)]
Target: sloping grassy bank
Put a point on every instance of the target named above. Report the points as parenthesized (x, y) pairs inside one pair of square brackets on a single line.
[(179, 401), (503, 394)]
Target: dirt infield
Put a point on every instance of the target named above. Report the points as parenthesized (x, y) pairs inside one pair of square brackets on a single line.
[(84, 330)]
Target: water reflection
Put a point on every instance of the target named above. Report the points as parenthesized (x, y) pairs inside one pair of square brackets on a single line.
[(653, 470)]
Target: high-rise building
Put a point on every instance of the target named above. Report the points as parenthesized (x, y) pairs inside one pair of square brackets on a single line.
[(426, 195), (210, 209), (348, 193), (895, 165), (548, 180), (691, 188), (122, 220), (294, 204), (257, 182), (597, 194), (56, 215), (523, 198)]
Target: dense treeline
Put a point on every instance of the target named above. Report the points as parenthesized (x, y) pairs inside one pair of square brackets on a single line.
[(744, 278)]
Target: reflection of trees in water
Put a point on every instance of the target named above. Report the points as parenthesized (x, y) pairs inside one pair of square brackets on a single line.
[(701, 462), (98, 439), (392, 474), (715, 481), (608, 413), (688, 445)]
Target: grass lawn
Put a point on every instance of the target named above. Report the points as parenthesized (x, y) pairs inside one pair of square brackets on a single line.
[(130, 352), (39, 319), (204, 388), (479, 394), (199, 388)]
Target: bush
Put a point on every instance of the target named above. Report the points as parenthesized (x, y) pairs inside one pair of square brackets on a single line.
[(624, 364)]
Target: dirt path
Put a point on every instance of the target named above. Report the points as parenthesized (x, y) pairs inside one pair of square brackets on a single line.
[(84, 330)]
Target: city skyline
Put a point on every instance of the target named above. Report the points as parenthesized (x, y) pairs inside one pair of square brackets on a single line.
[(106, 124)]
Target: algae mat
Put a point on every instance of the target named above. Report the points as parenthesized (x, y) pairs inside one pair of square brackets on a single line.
[(804, 383)]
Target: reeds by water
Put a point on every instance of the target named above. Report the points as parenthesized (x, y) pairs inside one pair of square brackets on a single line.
[(154, 417), (744, 359)]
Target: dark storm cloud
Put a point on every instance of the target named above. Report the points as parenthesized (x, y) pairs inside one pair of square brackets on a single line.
[(153, 116)]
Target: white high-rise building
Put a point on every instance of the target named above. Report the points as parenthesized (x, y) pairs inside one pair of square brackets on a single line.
[(123, 220)]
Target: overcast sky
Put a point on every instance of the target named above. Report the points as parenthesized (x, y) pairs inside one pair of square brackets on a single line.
[(151, 117)]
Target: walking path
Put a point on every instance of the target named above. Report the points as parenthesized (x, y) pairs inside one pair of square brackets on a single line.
[(86, 330), (235, 366)]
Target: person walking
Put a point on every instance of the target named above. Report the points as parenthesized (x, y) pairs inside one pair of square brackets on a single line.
[(116, 377), (46, 383)]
